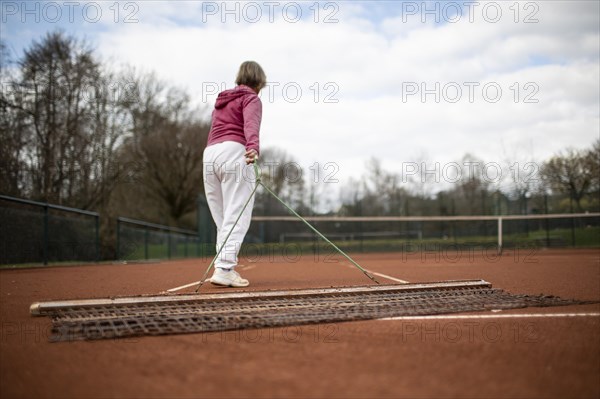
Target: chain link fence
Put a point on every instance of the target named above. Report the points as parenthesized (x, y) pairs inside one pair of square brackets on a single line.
[(36, 232), (139, 240)]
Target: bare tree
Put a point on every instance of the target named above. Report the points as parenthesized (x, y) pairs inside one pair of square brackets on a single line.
[(593, 162), (12, 123), (572, 172), (284, 175), (470, 194), (321, 183), (163, 151), (378, 193), (57, 121)]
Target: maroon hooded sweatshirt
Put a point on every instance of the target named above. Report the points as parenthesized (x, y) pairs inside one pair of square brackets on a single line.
[(237, 117)]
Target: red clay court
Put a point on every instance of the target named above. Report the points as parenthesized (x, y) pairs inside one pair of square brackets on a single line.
[(521, 353)]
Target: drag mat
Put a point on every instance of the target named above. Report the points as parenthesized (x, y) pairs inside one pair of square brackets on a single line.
[(180, 314)]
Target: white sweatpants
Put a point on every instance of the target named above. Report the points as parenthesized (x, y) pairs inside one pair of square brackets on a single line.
[(228, 183)]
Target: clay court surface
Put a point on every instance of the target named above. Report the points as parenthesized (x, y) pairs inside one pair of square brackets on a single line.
[(524, 353)]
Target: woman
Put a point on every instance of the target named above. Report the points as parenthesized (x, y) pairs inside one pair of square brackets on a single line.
[(233, 145)]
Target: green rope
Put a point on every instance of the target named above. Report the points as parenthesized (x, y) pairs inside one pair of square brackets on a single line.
[(319, 234), (259, 182)]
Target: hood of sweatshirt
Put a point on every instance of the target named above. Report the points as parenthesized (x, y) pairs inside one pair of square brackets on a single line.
[(225, 97)]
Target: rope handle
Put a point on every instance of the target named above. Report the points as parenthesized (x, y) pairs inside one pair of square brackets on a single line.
[(257, 183)]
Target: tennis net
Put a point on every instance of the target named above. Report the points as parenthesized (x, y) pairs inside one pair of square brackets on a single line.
[(401, 233)]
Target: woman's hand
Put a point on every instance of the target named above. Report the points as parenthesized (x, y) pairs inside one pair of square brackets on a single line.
[(251, 156)]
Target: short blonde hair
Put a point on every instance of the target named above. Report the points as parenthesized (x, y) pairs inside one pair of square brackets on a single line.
[(252, 75)]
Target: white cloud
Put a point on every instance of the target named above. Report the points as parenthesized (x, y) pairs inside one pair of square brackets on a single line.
[(371, 61)]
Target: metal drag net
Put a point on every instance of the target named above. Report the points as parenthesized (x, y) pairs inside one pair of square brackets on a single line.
[(105, 321)]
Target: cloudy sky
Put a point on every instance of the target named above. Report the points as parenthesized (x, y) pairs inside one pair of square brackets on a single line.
[(398, 81)]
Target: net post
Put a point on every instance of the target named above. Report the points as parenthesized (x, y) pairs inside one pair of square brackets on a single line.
[(500, 236)]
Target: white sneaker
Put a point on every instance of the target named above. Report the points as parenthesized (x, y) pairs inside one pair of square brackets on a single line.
[(228, 278)]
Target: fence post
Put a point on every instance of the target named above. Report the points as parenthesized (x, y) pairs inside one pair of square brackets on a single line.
[(146, 243), (118, 239), (45, 246), (572, 220), (205, 225), (97, 238), (168, 244), (261, 232), (547, 221)]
